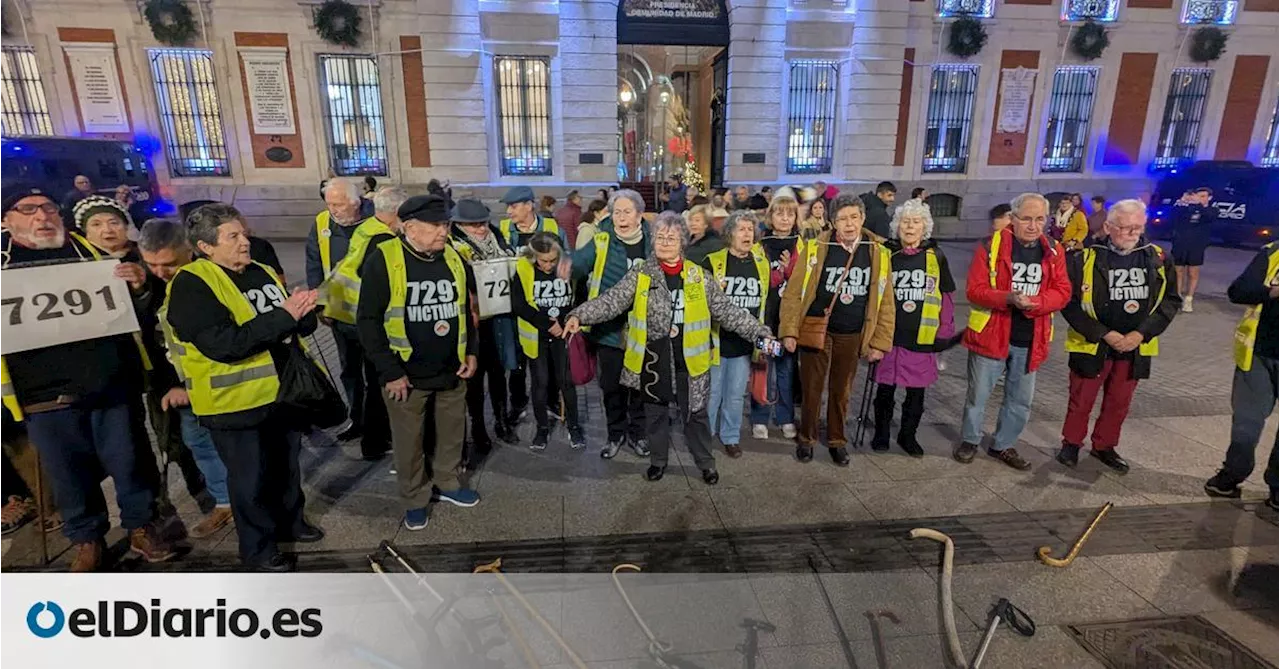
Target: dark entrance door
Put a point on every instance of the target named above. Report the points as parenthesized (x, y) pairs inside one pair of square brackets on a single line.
[(719, 98)]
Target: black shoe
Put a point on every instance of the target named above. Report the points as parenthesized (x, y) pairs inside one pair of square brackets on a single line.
[(505, 433), (540, 439), (350, 434), (1010, 457), (515, 416), (964, 452), (733, 450), (1069, 454), (640, 446), (840, 456), (1272, 502), (577, 440), (307, 534), (911, 446), (1222, 485), (277, 564), (1111, 459), (804, 452), (374, 454), (710, 476), (878, 445), (655, 473)]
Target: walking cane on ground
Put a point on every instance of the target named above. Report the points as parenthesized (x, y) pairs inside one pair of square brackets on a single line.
[(860, 430)]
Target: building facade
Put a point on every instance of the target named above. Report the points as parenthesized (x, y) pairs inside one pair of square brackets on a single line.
[(258, 108)]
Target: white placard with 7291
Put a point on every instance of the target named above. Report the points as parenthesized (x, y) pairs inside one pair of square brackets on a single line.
[(59, 304)]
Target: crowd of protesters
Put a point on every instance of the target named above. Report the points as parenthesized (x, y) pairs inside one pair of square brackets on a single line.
[(786, 292)]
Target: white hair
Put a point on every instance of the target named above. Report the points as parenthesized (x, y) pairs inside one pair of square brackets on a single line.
[(348, 186), (1016, 203), (912, 208), (1126, 208), (626, 194), (389, 199)]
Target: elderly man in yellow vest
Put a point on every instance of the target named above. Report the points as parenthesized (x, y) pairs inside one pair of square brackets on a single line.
[(1123, 297), (235, 324), (415, 321), (1254, 388)]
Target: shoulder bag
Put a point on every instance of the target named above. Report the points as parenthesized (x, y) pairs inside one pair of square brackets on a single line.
[(813, 329)]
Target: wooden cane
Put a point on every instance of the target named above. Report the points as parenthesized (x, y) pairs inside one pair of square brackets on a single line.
[(1044, 551)]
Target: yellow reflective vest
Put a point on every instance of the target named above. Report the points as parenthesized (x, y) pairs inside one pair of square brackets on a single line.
[(697, 323), (215, 387), (931, 311), (322, 240), (528, 333), (509, 231), (719, 263), (340, 292), (1247, 329), (1076, 343), (980, 316), (397, 276), (886, 267)]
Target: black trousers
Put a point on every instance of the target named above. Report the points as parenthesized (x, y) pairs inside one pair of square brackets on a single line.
[(364, 393), (912, 411), (519, 383), (264, 480), (623, 407), (550, 372), (697, 429), (489, 368), (168, 431)]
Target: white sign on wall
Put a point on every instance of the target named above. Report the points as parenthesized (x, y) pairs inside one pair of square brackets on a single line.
[(97, 86), (1016, 87), (60, 304), (266, 75)]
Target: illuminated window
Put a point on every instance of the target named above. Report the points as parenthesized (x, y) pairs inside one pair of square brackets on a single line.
[(25, 111), (1097, 10), (1183, 111), (812, 116), (1070, 108), (949, 118), (1271, 152), (1221, 12), (189, 113), (524, 115), (352, 98), (981, 9)]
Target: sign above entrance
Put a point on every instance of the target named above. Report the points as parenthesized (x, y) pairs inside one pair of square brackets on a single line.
[(673, 22)]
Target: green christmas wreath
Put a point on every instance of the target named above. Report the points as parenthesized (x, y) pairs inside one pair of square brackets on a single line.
[(338, 22), (966, 38), (1090, 40), (1208, 44), (171, 21)]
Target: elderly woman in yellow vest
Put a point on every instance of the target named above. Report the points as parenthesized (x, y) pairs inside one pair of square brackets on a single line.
[(668, 353), (1123, 296), (922, 287), (235, 323), (840, 304)]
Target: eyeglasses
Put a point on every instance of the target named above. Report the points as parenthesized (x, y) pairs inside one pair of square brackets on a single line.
[(1128, 229), (666, 240), (1031, 219), (848, 219), (29, 209)]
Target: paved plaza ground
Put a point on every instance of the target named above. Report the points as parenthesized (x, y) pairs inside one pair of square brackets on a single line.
[(1166, 550)]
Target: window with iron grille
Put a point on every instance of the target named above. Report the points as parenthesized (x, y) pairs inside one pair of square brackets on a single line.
[(943, 205), (950, 118), (524, 114), (1271, 152), (1097, 10), (1220, 12), (1070, 108), (189, 113), (1183, 110), (812, 116), (25, 110), (982, 9), (352, 96)]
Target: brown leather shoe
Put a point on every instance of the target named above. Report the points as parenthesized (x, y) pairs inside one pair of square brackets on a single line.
[(217, 519), (1010, 457), (147, 544), (88, 557), (733, 450)]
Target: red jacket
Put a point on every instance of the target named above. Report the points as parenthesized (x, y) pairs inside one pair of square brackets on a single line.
[(1055, 292)]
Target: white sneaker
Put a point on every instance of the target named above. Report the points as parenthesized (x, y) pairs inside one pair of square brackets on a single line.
[(759, 431), (1186, 304), (789, 431)]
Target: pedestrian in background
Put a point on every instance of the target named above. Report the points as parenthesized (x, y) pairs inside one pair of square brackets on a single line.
[(1193, 218)]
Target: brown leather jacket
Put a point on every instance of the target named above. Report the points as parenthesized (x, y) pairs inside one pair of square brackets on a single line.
[(877, 329)]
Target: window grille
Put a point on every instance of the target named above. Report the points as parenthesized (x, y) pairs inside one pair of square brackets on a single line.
[(352, 95), (190, 117), (943, 205), (812, 116), (25, 110), (1097, 10), (981, 9), (1271, 152), (524, 111), (1183, 110), (1220, 12), (950, 118), (1070, 109)]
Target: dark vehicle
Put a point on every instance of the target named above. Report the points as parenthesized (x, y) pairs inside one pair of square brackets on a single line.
[(53, 163), (1246, 198)]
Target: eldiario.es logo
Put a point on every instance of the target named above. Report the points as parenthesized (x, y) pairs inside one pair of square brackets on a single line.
[(124, 618)]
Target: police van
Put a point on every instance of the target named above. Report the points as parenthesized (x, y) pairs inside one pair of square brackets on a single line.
[(1246, 198), (52, 163)]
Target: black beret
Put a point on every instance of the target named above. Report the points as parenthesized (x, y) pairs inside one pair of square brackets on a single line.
[(425, 208)]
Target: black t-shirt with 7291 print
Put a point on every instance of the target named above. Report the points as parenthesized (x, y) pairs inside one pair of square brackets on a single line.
[(849, 309), (1028, 275)]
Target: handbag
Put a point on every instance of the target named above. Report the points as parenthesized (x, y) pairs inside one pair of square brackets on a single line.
[(306, 390), (813, 329), (582, 362), (764, 385)]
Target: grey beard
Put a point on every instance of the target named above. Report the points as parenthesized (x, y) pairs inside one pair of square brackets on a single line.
[(42, 244)]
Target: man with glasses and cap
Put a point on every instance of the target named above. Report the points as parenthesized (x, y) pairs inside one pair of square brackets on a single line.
[(78, 400)]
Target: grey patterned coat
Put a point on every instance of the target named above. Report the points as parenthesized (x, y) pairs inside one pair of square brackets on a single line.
[(619, 299)]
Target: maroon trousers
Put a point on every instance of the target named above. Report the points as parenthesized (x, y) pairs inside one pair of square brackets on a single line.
[(1117, 392)]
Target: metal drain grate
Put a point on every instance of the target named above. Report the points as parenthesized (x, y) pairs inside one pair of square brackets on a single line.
[(1165, 643)]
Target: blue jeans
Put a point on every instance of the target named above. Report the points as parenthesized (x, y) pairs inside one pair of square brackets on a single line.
[(76, 446), (728, 390), (783, 378), (1253, 396), (1019, 388), (198, 439)]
